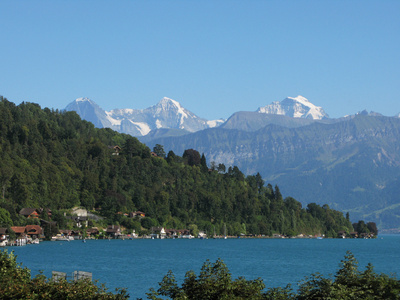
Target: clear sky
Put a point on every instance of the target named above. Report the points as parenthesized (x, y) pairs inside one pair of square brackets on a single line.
[(214, 57)]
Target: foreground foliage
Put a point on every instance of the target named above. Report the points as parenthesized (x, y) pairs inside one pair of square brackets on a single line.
[(16, 283), (215, 282)]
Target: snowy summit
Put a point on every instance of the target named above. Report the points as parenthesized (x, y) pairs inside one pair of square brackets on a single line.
[(298, 107)]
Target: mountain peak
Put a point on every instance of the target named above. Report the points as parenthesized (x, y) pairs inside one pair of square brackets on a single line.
[(168, 105), (169, 101), (297, 107), (299, 98), (83, 99)]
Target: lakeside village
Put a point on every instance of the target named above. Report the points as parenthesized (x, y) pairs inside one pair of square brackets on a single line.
[(34, 234)]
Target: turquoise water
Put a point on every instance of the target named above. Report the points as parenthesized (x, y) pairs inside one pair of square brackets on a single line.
[(140, 264)]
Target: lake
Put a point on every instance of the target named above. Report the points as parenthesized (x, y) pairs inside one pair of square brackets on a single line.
[(140, 264)]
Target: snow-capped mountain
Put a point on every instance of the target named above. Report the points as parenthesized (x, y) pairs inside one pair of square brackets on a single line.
[(166, 114), (88, 110), (298, 107)]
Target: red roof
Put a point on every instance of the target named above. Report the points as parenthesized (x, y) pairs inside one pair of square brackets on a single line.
[(18, 229), (33, 229)]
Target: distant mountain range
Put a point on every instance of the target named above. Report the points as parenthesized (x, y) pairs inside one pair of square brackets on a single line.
[(351, 163), (166, 114)]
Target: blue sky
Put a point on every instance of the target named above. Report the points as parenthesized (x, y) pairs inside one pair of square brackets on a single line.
[(214, 57)]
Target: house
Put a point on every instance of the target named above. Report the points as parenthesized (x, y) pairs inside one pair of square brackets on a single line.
[(30, 213), (3, 237), (183, 233), (137, 214), (113, 231), (117, 150), (79, 216), (72, 233), (92, 231), (172, 233), (158, 233), (365, 235), (34, 213), (342, 234), (79, 221), (34, 231), (354, 234), (20, 231)]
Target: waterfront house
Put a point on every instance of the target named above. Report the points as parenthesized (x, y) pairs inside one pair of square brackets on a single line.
[(171, 233), (354, 234), (183, 232), (113, 231), (34, 231), (92, 231), (20, 231), (3, 236), (342, 234), (158, 233)]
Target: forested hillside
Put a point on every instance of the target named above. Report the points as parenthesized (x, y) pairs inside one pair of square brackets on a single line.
[(53, 159)]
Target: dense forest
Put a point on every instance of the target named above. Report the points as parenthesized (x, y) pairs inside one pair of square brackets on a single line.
[(53, 159)]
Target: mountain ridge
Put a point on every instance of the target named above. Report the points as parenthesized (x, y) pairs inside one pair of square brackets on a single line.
[(167, 113)]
